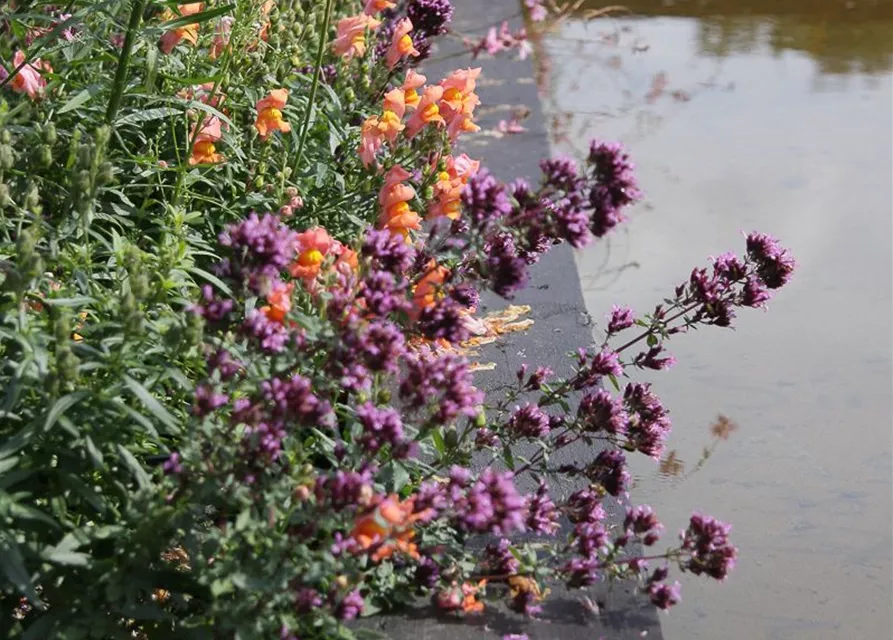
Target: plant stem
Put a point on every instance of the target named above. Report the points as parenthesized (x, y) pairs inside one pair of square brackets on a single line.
[(136, 14), (323, 35)]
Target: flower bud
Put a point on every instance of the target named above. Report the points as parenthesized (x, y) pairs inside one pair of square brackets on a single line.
[(49, 134), (5, 136), (105, 174), (7, 157), (44, 156)]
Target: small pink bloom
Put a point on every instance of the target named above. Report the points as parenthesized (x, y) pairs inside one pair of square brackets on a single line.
[(311, 247), (221, 37), (411, 84), (28, 80), (462, 166)]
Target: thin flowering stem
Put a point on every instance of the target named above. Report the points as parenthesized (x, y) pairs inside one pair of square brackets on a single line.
[(652, 329), (314, 85), (136, 15)]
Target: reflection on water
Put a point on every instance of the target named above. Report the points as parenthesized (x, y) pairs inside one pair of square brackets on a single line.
[(772, 115)]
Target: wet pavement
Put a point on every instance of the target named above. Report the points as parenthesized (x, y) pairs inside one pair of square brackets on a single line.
[(773, 116)]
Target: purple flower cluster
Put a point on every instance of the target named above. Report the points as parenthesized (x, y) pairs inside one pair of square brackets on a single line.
[(262, 442), (609, 471), (212, 308), (542, 515), (594, 367), (383, 293), (260, 249), (444, 378), (350, 606), (430, 17), (485, 200), (293, 400), (444, 320), (613, 187), (774, 264), (649, 422), (207, 400), (620, 318), (664, 596), (600, 411), (269, 335), (387, 251), (427, 573), (707, 541), (529, 421), (491, 505), (499, 559), (344, 488), (642, 522), (381, 427)]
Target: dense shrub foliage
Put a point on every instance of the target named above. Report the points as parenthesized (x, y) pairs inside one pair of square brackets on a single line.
[(240, 260)]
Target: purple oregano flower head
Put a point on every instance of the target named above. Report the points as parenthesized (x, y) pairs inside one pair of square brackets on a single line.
[(387, 251), (261, 248), (542, 515), (529, 421), (484, 199), (707, 540), (775, 265), (492, 504), (614, 185), (430, 17)]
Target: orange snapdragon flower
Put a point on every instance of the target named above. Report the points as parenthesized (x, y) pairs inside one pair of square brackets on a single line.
[(464, 598), (269, 114), (388, 529), (427, 111), (312, 248), (429, 288), (279, 300), (351, 35), (203, 148), (390, 125), (188, 32), (29, 79), (396, 214), (370, 141), (375, 6), (448, 188), (401, 44), (459, 101), (410, 88)]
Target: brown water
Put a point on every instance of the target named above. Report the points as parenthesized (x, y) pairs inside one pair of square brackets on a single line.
[(770, 115)]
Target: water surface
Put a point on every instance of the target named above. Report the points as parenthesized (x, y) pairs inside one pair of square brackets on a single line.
[(770, 115)]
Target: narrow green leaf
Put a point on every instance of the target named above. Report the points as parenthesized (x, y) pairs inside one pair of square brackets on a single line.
[(94, 452), (146, 115), (8, 464), (13, 567), (62, 405), (78, 301), (151, 403), (79, 100), (68, 558), (139, 474), (210, 277)]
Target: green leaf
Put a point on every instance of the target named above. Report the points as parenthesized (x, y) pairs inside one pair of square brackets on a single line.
[(146, 115), (24, 512), (439, 443), (210, 277), (139, 474), (68, 558), (8, 463), (80, 99), (197, 18), (152, 404), (94, 452), (508, 457), (13, 567), (78, 301), (62, 405)]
